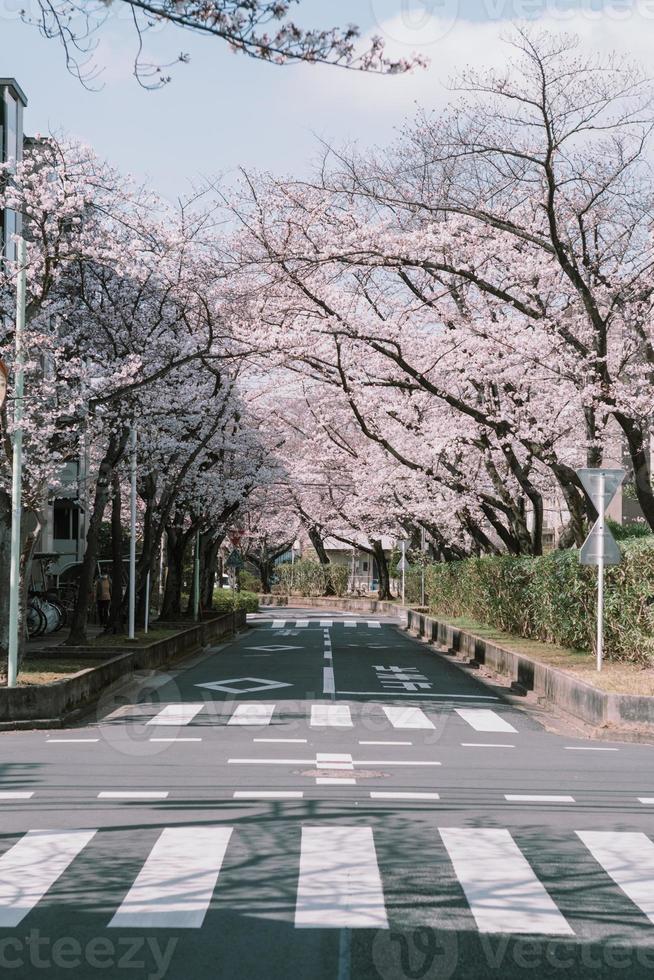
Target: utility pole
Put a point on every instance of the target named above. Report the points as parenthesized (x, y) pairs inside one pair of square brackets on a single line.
[(132, 537), (196, 578), (17, 468)]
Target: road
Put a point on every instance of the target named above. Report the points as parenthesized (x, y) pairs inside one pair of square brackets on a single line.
[(324, 797)]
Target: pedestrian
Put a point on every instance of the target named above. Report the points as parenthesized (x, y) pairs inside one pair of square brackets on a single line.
[(103, 598)]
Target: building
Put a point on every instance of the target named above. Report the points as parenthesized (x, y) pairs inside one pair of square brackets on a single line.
[(12, 103)]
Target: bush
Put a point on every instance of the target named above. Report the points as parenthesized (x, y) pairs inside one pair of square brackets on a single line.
[(308, 578), (225, 600), (553, 598), (249, 582)]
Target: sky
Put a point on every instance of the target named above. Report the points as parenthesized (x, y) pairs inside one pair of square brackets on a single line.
[(222, 110)]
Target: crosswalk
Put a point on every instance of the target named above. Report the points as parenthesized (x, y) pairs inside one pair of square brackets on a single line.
[(256, 714), (346, 876), (280, 624)]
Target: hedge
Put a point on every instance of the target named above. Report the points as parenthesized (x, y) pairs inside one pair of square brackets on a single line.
[(308, 578), (551, 598), (224, 601)]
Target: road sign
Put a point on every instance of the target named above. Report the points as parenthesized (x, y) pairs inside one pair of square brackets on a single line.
[(234, 559), (403, 565), (600, 547)]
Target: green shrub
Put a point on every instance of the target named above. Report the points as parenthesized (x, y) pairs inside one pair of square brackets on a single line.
[(553, 598), (225, 600), (249, 582), (308, 578)]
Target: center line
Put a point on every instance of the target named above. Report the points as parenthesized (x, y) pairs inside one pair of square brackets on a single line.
[(384, 743), (487, 745)]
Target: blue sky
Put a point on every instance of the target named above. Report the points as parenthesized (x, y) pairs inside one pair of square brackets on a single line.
[(223, 110)]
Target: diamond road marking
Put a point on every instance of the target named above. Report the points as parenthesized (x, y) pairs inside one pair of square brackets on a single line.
[(256, 684), (274, 648)]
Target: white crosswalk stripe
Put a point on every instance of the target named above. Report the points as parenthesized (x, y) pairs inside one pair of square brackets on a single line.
[(302, 622), (31, 867), (629, 859), (331, 716), (406, 717), (484, 720), (340, 884), (374, 625), (342, 871), (252, 713), (175, 885), (176, 714), (349, 622), (326, 622), (278, 624), (502, 890)]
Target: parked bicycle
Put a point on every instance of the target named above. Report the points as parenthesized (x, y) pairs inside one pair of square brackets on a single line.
[(45, 614)]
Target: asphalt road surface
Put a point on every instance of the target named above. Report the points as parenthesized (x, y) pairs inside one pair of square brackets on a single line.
[(324, 797)]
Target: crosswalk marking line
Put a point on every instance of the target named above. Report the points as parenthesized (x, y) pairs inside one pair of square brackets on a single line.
[(500, 885), (331, 716), (374, 625), (252, 714), (278, 624), (628, 858), (264, 794), (301, 622), (339, 884), (328, 681), (10, 794), (647, 800), (31, 867), (132, 795), (327, 623), (335, 781), (174, 887), (348, 622), (537, 798), (484, 720), (176, 714), (388, 795), (400, 717)]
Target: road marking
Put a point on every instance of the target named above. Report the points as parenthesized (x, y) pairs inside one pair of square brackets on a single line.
[(628, 858), (271, 762), (10, 794), (334, 760), (53, 741), (526, 798), (252, 714), (647, 800), (335, 781), (175, 885), (255, 684), (326, 622), (331, 716), (301, 623), (393, 762), (484, 720), (279, 739), (384, 743), (423, 694), (374, 625), (339, 884), (350, 623), (404, 796), (502, 890), (328, 684), (265, 794), (487, 745), (407, 717), (31, 867), (356, 762), (589, 748), (173, 738), (131, 795), (278, 624), (176, 714)]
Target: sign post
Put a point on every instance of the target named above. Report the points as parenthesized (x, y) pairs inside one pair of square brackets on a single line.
[(403, 566), (600, 547)]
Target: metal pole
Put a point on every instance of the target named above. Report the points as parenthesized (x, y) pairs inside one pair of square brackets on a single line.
[(196, 578), (403, 575), (600, 577), (132, 538), (422, 567), (17, 468), (146, 622)]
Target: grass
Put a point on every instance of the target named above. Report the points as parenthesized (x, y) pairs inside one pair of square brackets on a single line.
[(120, 639), (618, 678), (47, 670)]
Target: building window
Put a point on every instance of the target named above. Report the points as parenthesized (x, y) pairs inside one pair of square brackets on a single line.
[(364, 566), (65, 521)]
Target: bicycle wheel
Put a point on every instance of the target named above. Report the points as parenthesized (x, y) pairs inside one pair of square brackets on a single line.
[(61, 612), (36, 622)]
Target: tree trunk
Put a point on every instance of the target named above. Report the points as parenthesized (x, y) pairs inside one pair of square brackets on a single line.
[(639, 453), (208, 568), (323, 557), (5, 565), (382, 568), (176, 543), (265, 571), (117, 443)]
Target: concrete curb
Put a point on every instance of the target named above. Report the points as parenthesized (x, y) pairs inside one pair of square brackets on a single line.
[(52, 705)]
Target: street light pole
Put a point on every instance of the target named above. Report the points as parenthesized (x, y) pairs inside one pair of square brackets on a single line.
[(403, 573), (196, 578), (600, 574), (132, 538), (17, 468)]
